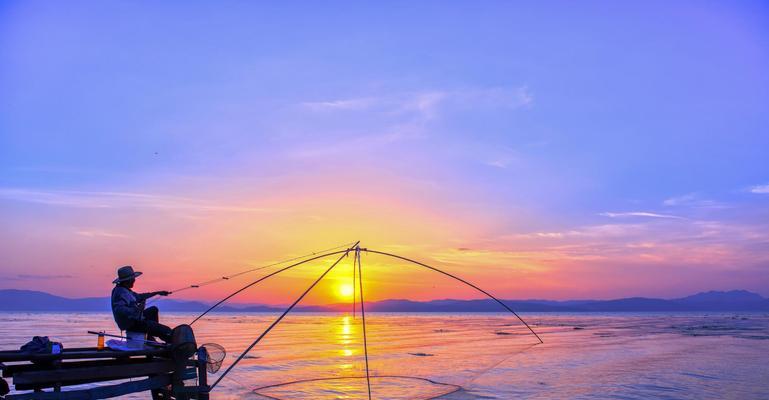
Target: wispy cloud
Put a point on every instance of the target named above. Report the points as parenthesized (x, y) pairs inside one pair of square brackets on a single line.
[(499, 163), (361, 103), (108, 199), (759, 189), (95, 233), (680, 200), (638, 214), (502, 158), (693, 200), (33, 277), (402, 116), (427, 104)]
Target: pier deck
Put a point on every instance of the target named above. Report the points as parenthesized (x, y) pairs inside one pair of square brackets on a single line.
[(44, 376)]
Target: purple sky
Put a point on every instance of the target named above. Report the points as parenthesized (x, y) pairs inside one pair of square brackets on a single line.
[(550, 150)]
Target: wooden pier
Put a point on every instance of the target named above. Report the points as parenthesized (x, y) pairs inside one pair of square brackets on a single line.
[(158, 370)]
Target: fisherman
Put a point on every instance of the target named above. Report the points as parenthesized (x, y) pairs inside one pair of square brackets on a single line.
[(128, 307)]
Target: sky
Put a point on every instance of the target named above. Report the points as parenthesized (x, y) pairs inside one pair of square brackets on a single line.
[(559, 150)]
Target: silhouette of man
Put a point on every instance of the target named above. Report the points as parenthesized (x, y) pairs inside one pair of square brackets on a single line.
[(128, 307)]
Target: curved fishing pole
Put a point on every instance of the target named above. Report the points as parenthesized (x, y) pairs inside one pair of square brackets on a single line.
[(461, 280), (265, 277), (277, 321)]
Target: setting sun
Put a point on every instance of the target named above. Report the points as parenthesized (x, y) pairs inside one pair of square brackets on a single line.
[(345, 291)]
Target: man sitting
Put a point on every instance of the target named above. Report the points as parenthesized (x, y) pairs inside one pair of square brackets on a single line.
[(128, 307)]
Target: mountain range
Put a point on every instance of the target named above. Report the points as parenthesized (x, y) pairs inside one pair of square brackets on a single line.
[(734, 300)]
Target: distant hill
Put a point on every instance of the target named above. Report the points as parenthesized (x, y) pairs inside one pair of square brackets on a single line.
[(735, 300), (28, 300)]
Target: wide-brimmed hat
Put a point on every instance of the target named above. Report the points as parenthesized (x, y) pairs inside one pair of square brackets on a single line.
[(126, 274)]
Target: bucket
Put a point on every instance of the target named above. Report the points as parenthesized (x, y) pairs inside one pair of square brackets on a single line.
[(135, 340), (183, 342)]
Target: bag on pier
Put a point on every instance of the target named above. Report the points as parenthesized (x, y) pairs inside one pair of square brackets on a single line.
[(42, 345)]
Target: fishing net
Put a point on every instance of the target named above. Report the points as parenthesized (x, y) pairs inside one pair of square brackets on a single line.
[(395, 387), (215, 355), (392, 355), (411, 357)]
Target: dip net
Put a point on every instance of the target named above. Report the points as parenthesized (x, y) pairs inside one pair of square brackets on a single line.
[(215, 355)]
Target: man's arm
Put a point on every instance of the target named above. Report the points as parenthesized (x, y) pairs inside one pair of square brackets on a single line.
[(145, 296)]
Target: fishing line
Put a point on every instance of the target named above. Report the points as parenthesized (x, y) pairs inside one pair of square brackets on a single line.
[(495, 365), (277, 321), (237, 274), (265, 277)]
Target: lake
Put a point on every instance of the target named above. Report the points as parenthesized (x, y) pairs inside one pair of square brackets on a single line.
[(464, 356)]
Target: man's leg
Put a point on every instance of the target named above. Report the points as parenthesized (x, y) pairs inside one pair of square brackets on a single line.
[(151, 314), (159, 330), (151, 325)]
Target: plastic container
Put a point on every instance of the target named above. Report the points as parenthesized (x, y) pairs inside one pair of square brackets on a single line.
[(100, 341)]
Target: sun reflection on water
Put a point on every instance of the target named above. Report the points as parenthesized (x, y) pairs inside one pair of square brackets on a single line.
[(345, 340)]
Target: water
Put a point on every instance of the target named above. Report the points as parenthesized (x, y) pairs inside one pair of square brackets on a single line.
[(466, 356)]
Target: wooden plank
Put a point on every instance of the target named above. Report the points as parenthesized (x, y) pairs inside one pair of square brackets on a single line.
[(81, 353), (188, 374), (12, 369), (16, 368), (112, 372), (102, 392)]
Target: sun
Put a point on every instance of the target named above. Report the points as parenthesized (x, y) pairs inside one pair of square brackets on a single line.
[(345, 290)]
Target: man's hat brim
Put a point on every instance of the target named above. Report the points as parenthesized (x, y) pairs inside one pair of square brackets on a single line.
[(128, 278)]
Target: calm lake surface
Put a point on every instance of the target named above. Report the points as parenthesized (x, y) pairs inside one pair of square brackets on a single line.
[(473, 356)]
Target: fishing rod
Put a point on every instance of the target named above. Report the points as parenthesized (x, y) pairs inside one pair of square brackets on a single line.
[(277, 321), (235, 275), (459, 279), (263, 278)]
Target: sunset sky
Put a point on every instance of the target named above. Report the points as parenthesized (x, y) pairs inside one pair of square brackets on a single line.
[(552, 150)]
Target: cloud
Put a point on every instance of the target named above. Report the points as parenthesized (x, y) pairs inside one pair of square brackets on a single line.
[(33, 277), (759, 189), (100, 233), (692, 200), (499, 163), (638, 214), (340, 105), (357, 144), (428, 104), (108, 199), (391, 118), (680, 200)]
